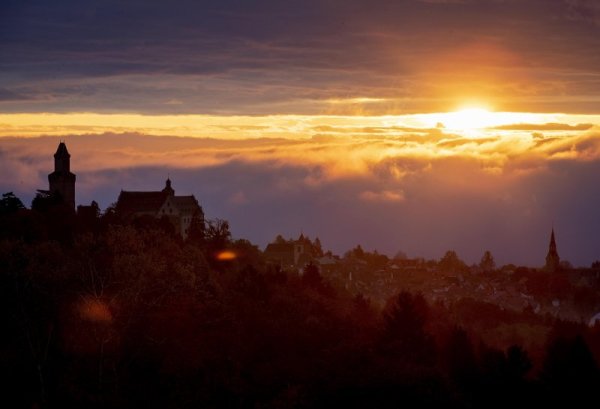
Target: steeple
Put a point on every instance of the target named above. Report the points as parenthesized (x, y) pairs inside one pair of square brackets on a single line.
[(62, 181), (552, 258), (168, 189)]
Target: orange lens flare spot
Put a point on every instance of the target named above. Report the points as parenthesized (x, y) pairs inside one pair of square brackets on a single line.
[(95, 311), (226, 255)]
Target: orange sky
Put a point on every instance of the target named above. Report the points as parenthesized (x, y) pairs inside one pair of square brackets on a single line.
[(419, 125)]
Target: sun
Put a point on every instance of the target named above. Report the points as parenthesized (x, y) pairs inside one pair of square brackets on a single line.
[(468, 119), (474, 121)]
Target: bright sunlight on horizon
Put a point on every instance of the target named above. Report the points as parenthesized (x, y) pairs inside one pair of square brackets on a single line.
[(470, 122)]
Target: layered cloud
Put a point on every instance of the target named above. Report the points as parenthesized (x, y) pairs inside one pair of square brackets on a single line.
[(422, 190), (299, 57)]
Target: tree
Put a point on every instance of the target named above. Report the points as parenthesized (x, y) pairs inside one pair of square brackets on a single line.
[(357, 252), (518, 363), (570, 371), (460, 358), (217, 234), (404, 337), (196, 231), (58, 219), (45, 201), (311, 275), (317, 248), (217, 240), (10, 203), (566, 265), (487, 263), (450, 262), (246, 252)]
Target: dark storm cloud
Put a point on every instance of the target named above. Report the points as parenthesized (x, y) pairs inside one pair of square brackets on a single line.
[(261, 56)]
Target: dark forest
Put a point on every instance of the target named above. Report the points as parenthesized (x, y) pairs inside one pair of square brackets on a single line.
[(102, 312)]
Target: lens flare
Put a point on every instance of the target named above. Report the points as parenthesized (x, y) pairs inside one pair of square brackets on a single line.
[(226, 255), (95, 310)]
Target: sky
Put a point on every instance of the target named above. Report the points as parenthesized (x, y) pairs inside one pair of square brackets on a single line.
[(411, 125)]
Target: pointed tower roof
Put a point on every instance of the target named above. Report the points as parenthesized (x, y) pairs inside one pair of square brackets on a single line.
[(62, 181), (552, 258), (62, 151), (552, 240)]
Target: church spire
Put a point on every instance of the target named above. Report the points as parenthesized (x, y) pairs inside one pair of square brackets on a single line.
[(552, 258)]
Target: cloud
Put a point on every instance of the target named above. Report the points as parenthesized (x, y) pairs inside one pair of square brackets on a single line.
[(8, 95), (500, 194), (383, 196), (544, 127), (310, 57), (445, 1), (238, 198), (584, 10)]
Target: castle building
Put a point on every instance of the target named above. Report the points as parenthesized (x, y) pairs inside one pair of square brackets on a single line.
[(62, 181), (180, 210), (552, 258)]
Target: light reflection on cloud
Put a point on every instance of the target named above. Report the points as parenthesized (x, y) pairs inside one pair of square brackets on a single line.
[(386, 182)]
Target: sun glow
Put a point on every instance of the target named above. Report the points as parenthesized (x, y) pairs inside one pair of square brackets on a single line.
[(470, 118), (473, 121), (477, 121)]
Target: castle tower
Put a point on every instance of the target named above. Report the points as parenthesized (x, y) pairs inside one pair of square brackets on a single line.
[(552, 259), (62, 181)]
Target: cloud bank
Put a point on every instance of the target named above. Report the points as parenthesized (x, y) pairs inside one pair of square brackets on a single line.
[(421, 192)]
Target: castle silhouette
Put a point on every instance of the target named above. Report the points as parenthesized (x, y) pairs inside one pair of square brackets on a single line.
[(181, 211)]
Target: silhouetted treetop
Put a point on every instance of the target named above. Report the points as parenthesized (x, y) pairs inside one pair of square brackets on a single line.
[(451, 262), (10, 203), (487, 263)]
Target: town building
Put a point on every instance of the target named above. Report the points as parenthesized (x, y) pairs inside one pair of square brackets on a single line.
[(294, 254)]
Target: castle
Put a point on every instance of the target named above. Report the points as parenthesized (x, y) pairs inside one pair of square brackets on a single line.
[(181, 211)]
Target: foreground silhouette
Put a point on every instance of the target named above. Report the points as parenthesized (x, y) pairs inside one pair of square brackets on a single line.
[(101, 312)]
